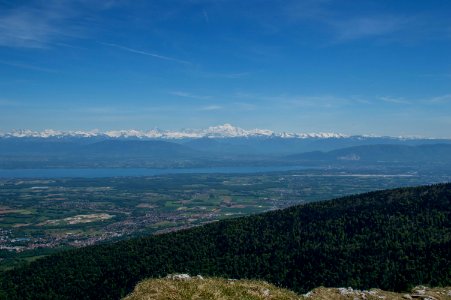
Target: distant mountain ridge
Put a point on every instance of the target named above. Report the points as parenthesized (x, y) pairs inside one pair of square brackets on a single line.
[(223, 145), (381, 153), (96, 151), (220, 131)]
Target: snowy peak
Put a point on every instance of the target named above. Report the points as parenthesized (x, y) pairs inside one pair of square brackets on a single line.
[(227, 130), (220, 131), (49, 133)]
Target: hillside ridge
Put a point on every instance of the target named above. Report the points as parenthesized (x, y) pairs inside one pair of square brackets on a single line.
[(393, 240)]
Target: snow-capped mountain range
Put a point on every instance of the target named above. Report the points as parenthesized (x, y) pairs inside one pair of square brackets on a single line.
[(221, 131)]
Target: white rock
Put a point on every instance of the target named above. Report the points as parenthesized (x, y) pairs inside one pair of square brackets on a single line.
[(308, 294), (179, 276)]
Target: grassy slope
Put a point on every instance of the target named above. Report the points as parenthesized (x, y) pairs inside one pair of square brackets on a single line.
[(208, 288), (224, 289)]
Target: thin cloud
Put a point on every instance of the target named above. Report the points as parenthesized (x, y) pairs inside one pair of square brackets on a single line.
[(395, 100), (211, 107), (437, 100), (206, 18), (290, 101), (189, 95), (233, 75), (321, 102), (41, 24), (27, 66), (343, 28), (307, 9), (27, 27), (146, 53), (236, 75), (440, 99), (117, 111), (359, 28)]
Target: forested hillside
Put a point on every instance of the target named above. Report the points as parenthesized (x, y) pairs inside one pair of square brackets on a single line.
[(391, 239)]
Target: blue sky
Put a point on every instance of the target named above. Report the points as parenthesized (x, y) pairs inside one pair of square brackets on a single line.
[(354, 67)]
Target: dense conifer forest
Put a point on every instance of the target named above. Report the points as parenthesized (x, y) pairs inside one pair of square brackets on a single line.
[(391, 239)]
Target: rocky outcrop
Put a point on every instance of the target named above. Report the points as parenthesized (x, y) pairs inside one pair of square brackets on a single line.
[(419, 292)]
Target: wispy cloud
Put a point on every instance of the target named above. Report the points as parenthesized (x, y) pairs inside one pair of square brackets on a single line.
[(206, 18), (436, 75), (115, 111), (146, 53), (419, 102), (440, 99), (225, 75), (290, 101), (211, 107), (309, 10), (27, 66), (189, 95), (322, 102), (343, 26), (394, 100), (42, 24), (370, 26), (30, 27)]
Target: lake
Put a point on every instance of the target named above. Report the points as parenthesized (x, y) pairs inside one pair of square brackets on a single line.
[(130, 172)]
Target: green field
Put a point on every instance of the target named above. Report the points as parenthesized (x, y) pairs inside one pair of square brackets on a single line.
[(40, 216)]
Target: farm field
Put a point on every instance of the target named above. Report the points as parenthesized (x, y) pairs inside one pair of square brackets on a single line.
[(40, 216)]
